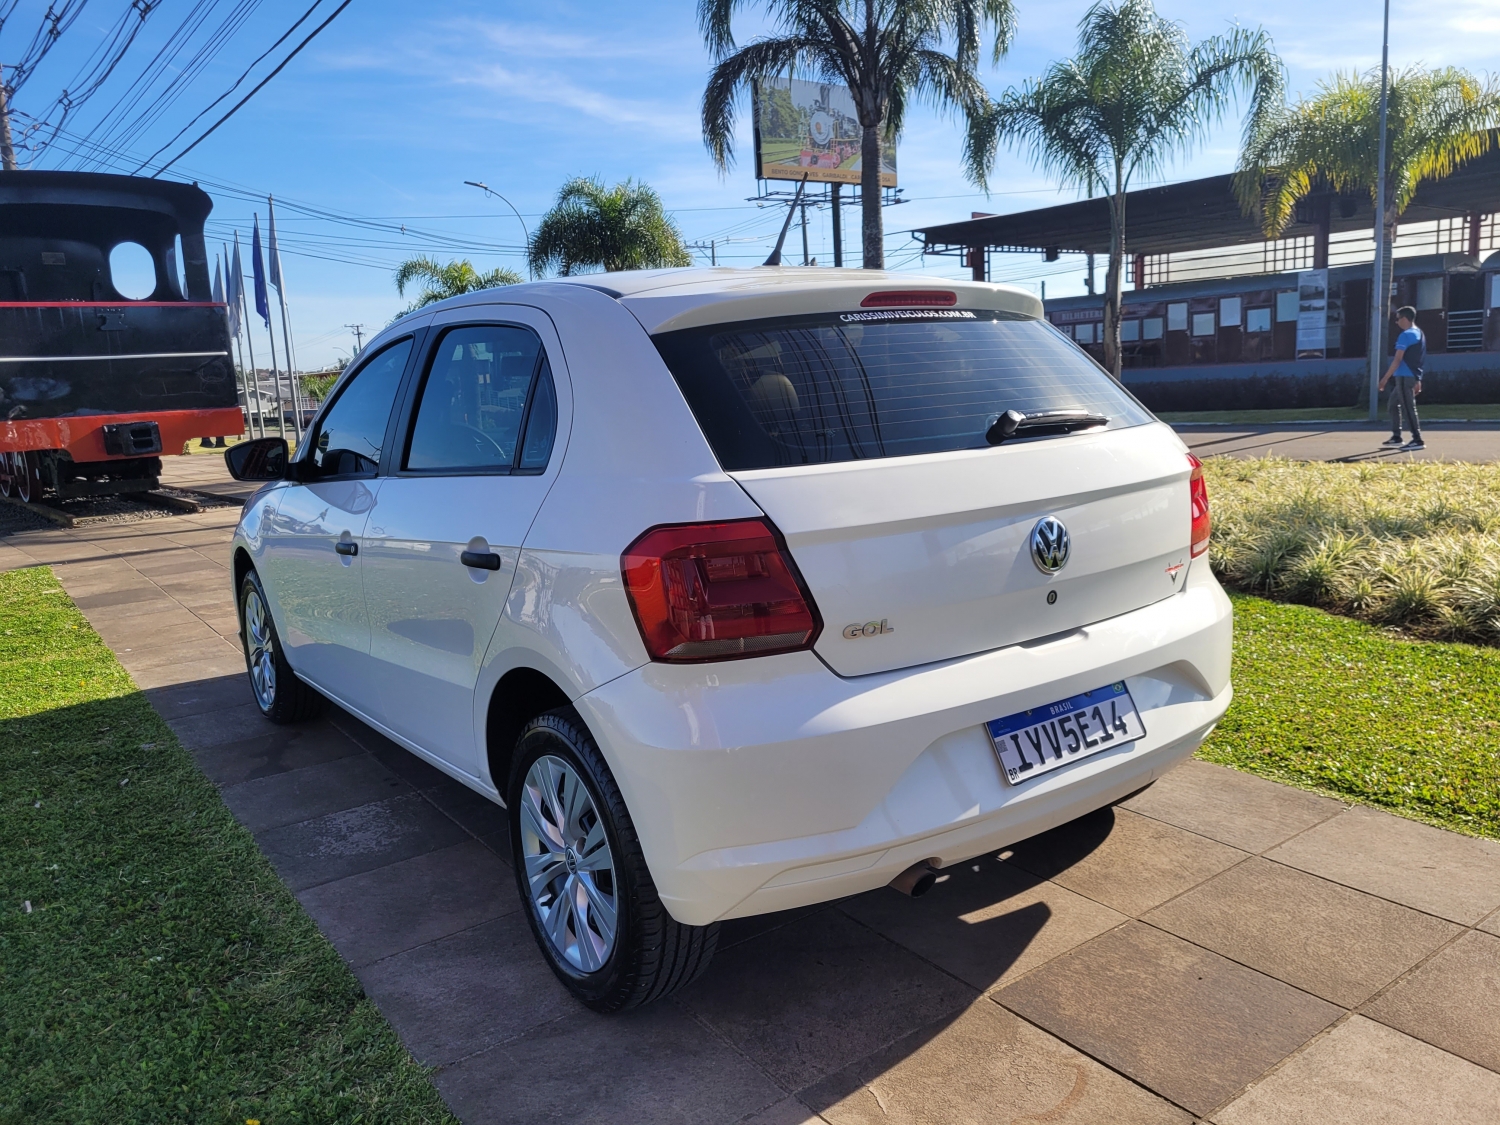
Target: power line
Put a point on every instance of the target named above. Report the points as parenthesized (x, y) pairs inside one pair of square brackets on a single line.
[(236, 85), (260, 86)]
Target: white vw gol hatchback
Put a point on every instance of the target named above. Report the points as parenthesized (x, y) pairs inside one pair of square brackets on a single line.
[(741, 589)]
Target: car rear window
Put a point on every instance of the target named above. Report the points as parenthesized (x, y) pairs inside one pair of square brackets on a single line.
[(851, 386)]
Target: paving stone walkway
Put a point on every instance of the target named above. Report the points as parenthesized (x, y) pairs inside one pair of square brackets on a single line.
[(1219, 948)]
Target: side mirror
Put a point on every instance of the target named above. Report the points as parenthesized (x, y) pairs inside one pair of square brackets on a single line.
[(261, 459)]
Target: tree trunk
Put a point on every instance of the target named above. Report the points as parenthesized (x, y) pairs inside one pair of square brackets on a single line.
[(869, 197), (1112, 279)]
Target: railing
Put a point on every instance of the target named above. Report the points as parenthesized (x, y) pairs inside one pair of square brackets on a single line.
[(1466, 330), (1288, 255)]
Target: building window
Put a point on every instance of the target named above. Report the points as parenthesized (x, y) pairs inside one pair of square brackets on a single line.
[(1203, 324), (1287, 306), (1151, 327), (1495, 291), (1429, 293), (1084, 333), (1229, 312), (1258, 320), (1130, 331), (1177, 317)]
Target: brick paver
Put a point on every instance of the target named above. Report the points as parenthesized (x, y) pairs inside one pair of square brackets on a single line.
[(1220, 946)]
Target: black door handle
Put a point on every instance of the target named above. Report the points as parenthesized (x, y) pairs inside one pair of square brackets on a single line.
[(344, 548), (480, 560)]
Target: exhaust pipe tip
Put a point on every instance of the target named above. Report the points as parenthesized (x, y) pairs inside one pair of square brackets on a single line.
[(916, 880)]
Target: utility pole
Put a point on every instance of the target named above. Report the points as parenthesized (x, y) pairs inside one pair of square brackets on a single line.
[(7, 147), (358, 330), (1380, 298)]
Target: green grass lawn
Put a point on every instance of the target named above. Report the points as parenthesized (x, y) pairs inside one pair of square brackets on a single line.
[(1352, 710), (1429, 412), (163, 973)]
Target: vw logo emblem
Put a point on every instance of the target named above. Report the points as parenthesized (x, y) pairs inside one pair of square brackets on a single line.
[(1049, 545)]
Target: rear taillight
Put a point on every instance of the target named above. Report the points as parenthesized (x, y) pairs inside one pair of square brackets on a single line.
[(717, 591), (1198, 500)]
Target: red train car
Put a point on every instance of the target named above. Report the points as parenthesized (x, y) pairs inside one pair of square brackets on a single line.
[(94, 386)]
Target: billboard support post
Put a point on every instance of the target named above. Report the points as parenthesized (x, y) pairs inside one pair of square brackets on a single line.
[(775, 258), (838, 228)]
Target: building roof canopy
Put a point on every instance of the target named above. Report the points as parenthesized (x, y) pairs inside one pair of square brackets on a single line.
[(1204, 214)]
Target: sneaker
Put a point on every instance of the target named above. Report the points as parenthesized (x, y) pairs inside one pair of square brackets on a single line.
[(1394, 439), (1413, 445)]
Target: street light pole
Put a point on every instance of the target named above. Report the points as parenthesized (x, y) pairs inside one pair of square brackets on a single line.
[(484, 187), (1379, 297)]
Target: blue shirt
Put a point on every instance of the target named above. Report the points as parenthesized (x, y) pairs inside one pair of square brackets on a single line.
[(1412, 335)]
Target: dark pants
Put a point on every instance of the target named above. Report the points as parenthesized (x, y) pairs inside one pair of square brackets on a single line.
[(1403, 397)]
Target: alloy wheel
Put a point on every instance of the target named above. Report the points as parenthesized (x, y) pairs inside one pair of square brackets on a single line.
[(260, 650), (570, 870)]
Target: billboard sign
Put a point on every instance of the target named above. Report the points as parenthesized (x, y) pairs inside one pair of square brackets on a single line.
[(811, 129)]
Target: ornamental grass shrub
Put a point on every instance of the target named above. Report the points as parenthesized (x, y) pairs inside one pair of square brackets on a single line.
[(1414, 545)]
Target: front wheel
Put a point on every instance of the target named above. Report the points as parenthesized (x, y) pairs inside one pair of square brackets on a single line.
[(279, 694), (590, 899)]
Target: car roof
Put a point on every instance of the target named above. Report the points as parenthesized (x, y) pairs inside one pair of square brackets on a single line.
[(668, 299)]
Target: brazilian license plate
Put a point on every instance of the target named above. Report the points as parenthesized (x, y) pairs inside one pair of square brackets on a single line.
[(1031, 743)]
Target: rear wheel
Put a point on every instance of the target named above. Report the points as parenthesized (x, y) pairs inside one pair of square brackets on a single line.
[(7, 485), (590, 899), (279, 694)]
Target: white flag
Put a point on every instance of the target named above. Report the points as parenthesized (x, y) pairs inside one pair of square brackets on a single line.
[(273, 272), (234, 288)]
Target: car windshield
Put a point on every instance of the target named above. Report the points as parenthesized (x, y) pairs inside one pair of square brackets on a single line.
[(850, 386)]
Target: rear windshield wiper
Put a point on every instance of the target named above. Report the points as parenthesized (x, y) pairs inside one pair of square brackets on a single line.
[(1015, 424)]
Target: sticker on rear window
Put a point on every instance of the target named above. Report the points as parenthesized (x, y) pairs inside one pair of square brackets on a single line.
[(908, 314)]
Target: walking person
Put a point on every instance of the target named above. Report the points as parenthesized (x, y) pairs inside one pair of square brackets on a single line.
[(1406, 369)]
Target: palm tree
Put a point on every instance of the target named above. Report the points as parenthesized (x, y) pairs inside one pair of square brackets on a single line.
[(1435, 121), (1136, 94), (440, 282), (884, 51), (594, 227)]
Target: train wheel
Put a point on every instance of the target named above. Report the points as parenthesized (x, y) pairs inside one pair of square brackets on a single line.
[(6, 487), (27, 476)]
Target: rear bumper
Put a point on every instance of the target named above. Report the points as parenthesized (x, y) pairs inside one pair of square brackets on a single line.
[(761, 785)]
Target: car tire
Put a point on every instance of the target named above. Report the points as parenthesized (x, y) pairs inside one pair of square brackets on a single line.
[(610, 965), (279, 694)]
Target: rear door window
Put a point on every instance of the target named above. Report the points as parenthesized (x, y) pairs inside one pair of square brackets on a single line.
[(487, 404), (852, 386)]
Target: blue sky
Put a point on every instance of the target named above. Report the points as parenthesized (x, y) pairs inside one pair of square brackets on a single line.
[(385, 115)]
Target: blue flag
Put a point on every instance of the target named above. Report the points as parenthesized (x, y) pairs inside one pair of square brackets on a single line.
[(262, 298)]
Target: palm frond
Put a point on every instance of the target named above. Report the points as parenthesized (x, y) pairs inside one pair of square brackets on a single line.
[(1436, 121)]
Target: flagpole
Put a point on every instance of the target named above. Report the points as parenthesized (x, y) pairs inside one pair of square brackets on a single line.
[(263, 310), (260, 414), (238, 347), (279, 281), (221, 270), (276, 377)]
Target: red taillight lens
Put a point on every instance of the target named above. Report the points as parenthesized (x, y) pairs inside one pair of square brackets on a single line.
[(1198, 500), (910, 299), (717, 591)]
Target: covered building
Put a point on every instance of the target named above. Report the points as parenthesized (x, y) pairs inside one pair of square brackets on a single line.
[(1211, 309)]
